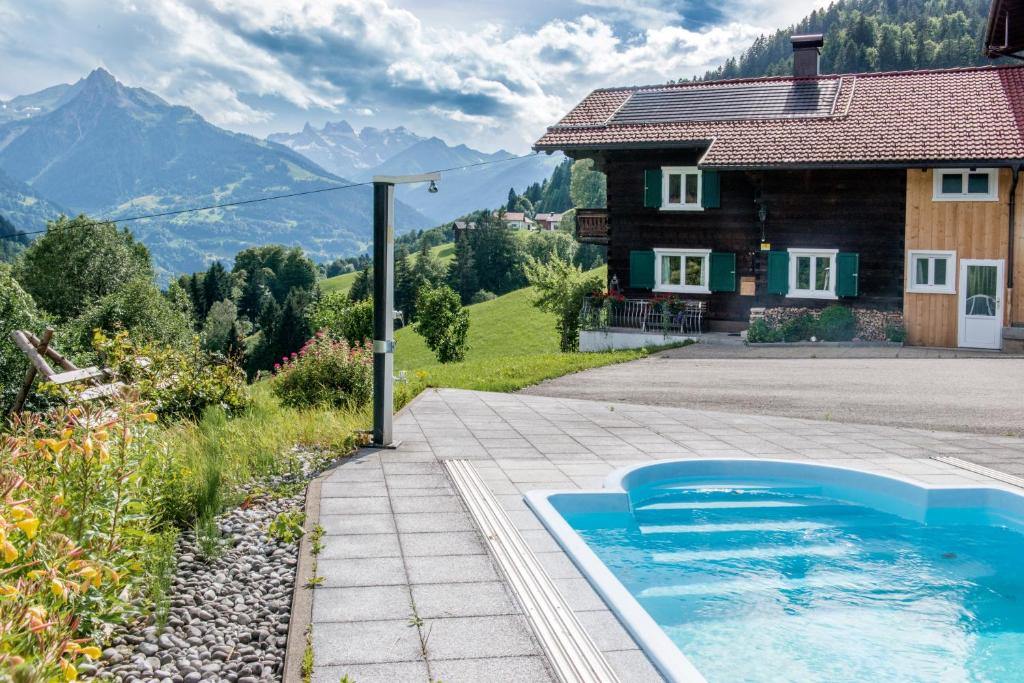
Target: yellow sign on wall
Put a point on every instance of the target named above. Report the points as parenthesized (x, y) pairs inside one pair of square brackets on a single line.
[(766, 246)]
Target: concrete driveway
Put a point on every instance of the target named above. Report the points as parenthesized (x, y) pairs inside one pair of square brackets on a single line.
[(941, 390)]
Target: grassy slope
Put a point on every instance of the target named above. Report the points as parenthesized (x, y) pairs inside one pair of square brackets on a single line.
[(512, 345), (343, 283)]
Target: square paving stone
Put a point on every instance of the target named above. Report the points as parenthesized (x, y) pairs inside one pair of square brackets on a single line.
[(483, 599), (357, 524), (442, 543), (473, 637), (367, 642), (579, 594), (354, 506), (411, 467), (433, 521), (362, 571), (497, 670), (356, 490), (361, 603), (397, 672), (606, 631), (416, 481), (360, 545), (633, 666), (345, 475), (409, 504), (450, 569)]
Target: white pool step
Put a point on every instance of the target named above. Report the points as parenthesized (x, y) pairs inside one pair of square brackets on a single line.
[(833, 580), (765, 553), (649, 529), (720, 505)]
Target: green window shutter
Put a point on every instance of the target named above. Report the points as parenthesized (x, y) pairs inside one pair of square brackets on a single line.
[(711, 190), (847, 267), (778, 272), (723, 272), (641, 269), (652, 188)]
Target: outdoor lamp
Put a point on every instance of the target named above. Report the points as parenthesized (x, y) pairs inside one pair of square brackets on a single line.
[(432, 188)]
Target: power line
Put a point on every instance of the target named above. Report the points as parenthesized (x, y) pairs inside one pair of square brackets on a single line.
[(243, 202)]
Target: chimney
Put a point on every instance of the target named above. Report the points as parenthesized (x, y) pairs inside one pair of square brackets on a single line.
[(806, 53)]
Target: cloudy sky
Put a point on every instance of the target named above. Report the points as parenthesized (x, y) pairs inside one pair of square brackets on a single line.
[(489, 73)]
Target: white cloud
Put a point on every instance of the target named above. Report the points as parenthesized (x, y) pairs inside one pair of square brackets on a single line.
[(257, 65)]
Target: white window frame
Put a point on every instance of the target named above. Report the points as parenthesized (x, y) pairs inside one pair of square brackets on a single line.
[(931, 255), (829, 293), (939, 196), (703, 288), (666, 171)]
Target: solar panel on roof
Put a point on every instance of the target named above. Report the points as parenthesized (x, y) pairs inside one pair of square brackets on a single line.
[(796, 99)]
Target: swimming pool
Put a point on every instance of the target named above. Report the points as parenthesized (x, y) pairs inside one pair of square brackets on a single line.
[(765, 570)]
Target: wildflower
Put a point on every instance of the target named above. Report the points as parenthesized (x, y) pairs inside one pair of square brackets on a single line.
[(6, 590), (70, 672), (30, 526), (57, 446), (148, 417), (10, 552), (19, 512), (59, 589)]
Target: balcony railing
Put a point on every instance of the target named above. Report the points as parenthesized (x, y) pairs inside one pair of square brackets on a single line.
[(668, 315), (592, 226)]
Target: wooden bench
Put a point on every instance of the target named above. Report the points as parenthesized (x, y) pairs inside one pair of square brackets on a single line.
[(40, 353)]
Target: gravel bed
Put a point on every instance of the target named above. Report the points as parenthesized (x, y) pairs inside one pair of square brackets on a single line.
[(228, 619)]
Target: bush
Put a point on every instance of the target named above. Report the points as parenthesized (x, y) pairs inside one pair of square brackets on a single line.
[(482, 296), (138, 308), (895, 333), (342, 318), (326, 372), (837, 323), (760, 332), (442, 322), (178, 384), (799, 328), (560, 287), (17, 312), (77, 528)]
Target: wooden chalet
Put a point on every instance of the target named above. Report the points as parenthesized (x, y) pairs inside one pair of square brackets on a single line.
[(892, 191)]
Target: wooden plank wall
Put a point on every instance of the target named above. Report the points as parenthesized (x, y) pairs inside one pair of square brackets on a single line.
[(853, 210), (975, 230)]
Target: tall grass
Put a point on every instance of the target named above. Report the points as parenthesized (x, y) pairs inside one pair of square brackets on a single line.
[(210, 463)]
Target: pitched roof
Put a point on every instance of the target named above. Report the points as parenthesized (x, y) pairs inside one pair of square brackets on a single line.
[(907, 117)]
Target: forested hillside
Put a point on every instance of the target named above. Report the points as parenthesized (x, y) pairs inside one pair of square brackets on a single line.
[(874, 35)]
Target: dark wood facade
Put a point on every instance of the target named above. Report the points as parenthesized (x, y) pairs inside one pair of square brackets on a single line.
[(861, 211)]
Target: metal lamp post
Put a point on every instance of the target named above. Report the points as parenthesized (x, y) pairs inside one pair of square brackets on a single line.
[(384, 301)]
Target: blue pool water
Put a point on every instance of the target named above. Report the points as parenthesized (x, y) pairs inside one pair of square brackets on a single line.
[(795, 582)]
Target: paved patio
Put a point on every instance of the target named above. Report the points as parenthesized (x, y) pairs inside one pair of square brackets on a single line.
[(410, 593)]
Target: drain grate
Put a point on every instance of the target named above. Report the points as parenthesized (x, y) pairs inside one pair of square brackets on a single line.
[(572, 654), (980, 469)]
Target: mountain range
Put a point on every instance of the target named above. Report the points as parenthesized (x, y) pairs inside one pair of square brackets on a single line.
[(113, 152), (398, 151)]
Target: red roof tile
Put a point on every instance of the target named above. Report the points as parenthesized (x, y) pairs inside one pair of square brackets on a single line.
[(954, 115)]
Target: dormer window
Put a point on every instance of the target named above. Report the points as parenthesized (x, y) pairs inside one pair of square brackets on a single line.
[(966, 185)]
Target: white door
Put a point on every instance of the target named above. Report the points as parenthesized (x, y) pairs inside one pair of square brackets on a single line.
[(981, 304)]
